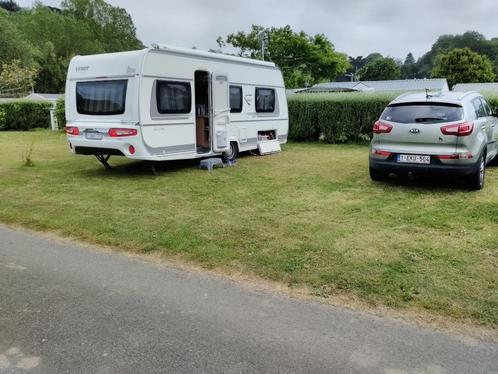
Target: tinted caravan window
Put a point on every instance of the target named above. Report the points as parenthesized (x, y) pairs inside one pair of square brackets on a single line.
[(265, 100), (235, 99), (173, 97), (101, 98)]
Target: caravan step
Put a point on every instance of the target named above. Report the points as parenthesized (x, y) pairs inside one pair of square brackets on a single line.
[(210, 163), (269, 146)]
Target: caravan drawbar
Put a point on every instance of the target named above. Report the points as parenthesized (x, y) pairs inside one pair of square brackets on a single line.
[(167, 103)]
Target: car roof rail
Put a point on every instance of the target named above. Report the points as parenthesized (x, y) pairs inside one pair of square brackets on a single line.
[(462, 96), (403, 95)]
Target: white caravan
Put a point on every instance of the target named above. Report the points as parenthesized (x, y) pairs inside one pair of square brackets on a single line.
[(168, 103)]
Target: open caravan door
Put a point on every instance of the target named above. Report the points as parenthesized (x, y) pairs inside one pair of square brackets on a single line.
[(221, 111)]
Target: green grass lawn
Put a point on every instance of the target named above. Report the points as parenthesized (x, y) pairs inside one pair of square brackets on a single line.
[(309, 216)]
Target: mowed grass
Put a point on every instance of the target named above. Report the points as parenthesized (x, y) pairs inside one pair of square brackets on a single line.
[(309, 216)]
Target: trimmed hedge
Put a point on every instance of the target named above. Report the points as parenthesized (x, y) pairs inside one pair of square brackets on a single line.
[(341, 117), (330, 117), (23, 115), (60, 114)]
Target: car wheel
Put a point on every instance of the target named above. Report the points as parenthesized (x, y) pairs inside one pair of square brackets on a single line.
[(231, 154), (475, 181), (377, 175)]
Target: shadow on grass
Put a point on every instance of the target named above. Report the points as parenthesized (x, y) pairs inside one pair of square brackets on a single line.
[(144, 168)]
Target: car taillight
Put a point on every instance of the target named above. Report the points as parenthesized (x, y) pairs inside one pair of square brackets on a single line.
[(459, 129), (456, 156), (72, 130), (381, 153), (381, 127), (116, 132)]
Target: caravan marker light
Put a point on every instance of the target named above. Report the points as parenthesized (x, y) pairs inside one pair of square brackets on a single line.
[(72, 130), (117, 132)]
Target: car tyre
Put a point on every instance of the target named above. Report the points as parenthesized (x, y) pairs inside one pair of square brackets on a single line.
[(231, 154), (475, 181), (377, 175)]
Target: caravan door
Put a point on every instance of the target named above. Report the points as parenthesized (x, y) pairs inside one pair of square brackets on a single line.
[(220, 95)]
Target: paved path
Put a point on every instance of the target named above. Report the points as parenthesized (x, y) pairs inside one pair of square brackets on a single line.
[(66, 309)]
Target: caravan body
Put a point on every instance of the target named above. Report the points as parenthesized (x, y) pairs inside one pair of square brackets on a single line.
[(166, 103)]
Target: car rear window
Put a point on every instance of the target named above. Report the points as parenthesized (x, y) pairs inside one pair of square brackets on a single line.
[(422, 113), (101, 97)]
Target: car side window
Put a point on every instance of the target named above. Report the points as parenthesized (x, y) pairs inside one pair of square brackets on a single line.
[(479, 107), (487, 108)]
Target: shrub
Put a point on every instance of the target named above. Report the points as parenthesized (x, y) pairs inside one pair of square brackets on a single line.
[(60, 114), (341, 117), (335, 118), (23, 115)]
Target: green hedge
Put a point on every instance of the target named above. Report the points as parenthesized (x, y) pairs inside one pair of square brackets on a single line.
[(331, 118), (340, 117), (60, 114), (23, 115)]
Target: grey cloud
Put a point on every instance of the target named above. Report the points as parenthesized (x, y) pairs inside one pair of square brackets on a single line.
[(356, 27)]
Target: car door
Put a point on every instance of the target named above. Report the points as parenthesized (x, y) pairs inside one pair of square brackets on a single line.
[(481, 123), (492, 130)]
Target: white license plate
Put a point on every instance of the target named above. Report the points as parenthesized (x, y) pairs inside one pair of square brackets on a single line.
[(414, 159), (93, 135)]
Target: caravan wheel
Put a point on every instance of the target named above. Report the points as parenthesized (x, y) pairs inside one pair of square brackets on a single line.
[(232, 152)]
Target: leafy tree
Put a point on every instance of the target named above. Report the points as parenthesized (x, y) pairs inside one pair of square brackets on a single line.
[(12, 44), (112, 26), (67, 35), (303, 59), (409, 60), (10, 6), (52, 70), (409, 67), (473, 40), (461, 65), (15, 76), (372, 57), (384, 68)]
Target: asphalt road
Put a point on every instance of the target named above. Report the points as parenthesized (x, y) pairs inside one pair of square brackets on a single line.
[(67, 309)]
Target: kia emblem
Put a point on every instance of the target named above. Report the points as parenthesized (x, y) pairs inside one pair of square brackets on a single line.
[(414, 131)]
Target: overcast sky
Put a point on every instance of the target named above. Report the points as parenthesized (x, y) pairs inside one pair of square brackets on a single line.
[(355, 27)]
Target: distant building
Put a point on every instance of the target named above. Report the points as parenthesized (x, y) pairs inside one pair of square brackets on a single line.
[(479, 87), (401, 85), (50, 98), (339, 87), (44, 97)]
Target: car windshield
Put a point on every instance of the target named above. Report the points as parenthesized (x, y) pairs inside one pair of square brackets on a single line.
[(422, 113)]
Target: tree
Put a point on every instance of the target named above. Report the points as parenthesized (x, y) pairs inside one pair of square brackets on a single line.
[(384, 68), (52, 72), (112, 26), (12, 44), (10, 5), (473, 40), (409, 67), (461, 65), (16, 77), (303, 59)]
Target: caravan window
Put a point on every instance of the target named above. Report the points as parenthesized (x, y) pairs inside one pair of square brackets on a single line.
[(265, 100), (101, 97), (173, 97), (235, 99)]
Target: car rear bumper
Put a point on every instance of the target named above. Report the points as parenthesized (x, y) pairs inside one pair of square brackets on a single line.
[(435, 167)]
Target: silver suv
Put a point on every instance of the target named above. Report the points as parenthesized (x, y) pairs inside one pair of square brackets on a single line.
[(452, 133)]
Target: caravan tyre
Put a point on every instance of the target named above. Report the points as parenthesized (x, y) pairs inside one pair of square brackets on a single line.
[(232, 153)]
